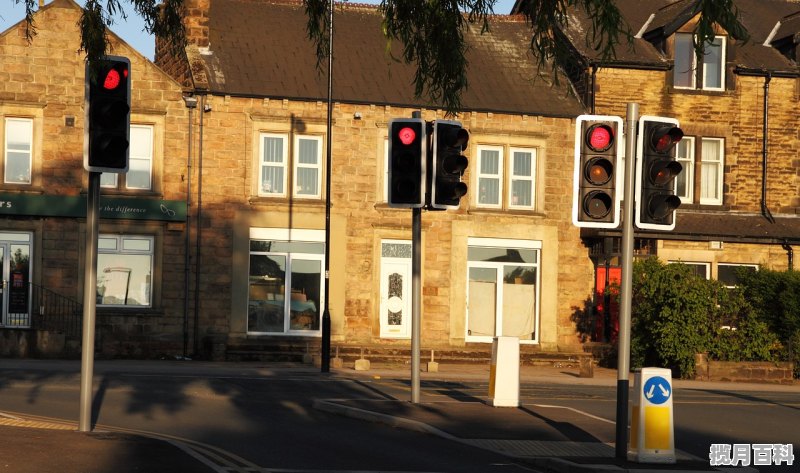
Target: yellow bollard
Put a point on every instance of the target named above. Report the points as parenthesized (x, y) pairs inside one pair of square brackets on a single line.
[(652, 431)]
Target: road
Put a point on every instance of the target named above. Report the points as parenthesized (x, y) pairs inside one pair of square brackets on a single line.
[(261, 415), (264, 414)]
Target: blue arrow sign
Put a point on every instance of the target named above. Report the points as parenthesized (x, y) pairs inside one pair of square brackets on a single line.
[(657, 390)]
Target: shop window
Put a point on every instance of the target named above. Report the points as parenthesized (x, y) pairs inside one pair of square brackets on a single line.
[(125, 270), (285, 284), (502, 289)]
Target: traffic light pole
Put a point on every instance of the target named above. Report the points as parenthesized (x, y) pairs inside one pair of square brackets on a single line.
[(416, 291), (89, 303), (416, 297), (624, 348)]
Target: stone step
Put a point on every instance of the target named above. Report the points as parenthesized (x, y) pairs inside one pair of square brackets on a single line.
[(297, 351)]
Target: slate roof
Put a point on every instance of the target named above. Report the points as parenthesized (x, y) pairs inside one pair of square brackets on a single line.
[(260, 48), (759, 17)]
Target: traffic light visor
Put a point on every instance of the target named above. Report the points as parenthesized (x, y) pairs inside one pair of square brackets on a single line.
[(662, 172), (599, 137), (665, 137)]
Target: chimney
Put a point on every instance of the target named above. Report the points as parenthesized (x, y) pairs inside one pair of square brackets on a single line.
[(196, 21)]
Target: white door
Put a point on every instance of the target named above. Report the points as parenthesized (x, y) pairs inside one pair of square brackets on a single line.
[(395, 315)]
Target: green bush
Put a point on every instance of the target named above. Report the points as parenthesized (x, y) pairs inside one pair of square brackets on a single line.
[(676, 314), (775, 297)]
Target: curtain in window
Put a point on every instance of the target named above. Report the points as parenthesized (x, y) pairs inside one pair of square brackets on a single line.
[(140, 158), (272, 165), (307, 167), (683, 71), (684, 155), (522, 189), (712, 172), (713, 65), (19, 135), (489, 179)]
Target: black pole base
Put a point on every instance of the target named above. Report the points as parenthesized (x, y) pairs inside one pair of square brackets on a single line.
[(325, 365), (622, 419)]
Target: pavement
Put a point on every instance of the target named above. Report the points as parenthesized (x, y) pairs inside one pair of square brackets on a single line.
[(549, 438)]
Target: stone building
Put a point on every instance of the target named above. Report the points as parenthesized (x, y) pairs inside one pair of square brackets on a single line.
[(507, 262), (221, 251), (140, 299), (740, 187)]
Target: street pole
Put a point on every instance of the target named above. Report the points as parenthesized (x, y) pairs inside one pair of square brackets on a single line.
[(624, 348), (89, 303), (325, 362), (416, 296), (416, 290)]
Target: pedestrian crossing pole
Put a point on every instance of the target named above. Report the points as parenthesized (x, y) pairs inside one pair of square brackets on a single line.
[(89, 303), (624, 348)]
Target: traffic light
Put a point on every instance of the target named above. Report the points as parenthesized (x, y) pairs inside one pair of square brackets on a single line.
[(107, 106), (598, 157), (407, 151), (448, 164), (656, 169)]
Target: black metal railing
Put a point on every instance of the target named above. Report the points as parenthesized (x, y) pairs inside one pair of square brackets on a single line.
[(52, 311)]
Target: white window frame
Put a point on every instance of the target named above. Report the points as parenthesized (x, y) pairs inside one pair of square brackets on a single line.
[(722, 42), (110, 179), (693, 71), (7, 150), (722, 47), (498, 176), (688, 168), (505, 243), (531, 179), (119, 250), (294, 236), (298, 165), (283, 164), (719, 164), (385, 185)]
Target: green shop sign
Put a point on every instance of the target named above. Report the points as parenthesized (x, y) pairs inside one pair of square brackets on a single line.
[(110, 207)]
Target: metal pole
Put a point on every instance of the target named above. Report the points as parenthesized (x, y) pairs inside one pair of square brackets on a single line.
[(416, 296), (89, 303), (325, 365), (624, 349)]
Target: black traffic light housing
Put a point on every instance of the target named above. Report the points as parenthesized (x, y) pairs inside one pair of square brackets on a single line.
[(448, 164), (598, 159), (107, 104), (408, 145), (656, 170)]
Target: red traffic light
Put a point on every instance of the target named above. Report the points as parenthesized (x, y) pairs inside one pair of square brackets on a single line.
[(665, 137), (406, 135), (599, 137), (114, 76)]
